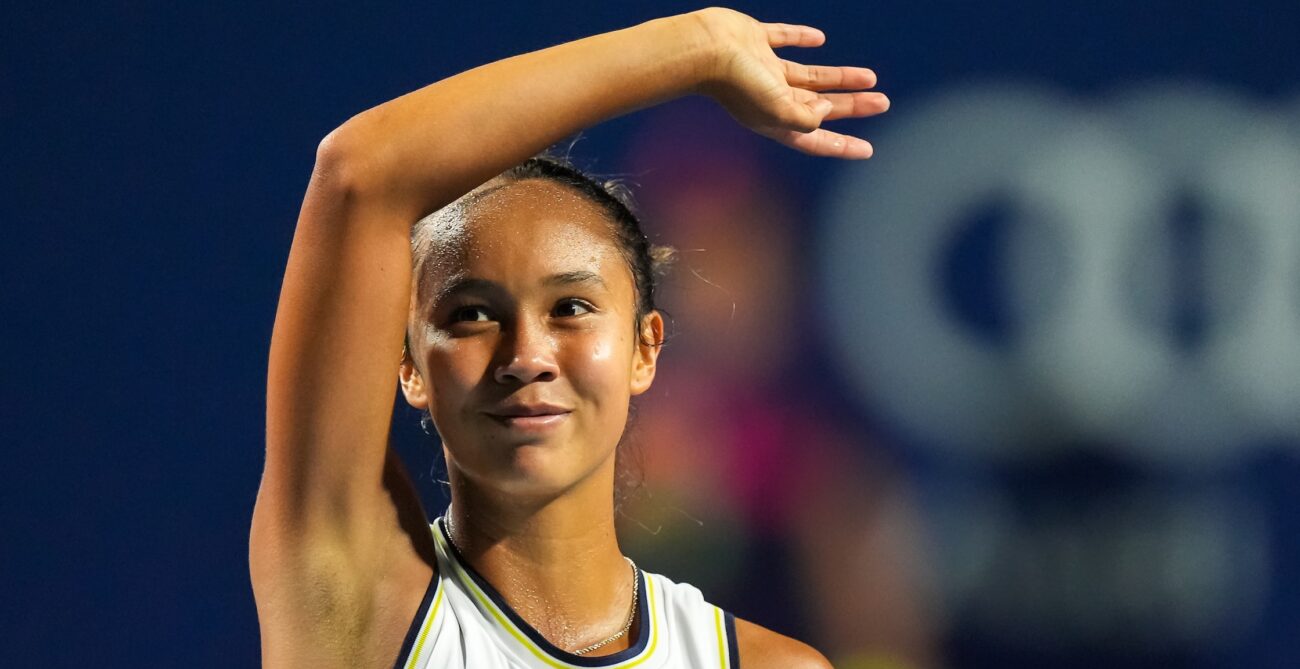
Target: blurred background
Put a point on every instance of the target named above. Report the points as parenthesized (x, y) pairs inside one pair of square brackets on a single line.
[(1023, 390)]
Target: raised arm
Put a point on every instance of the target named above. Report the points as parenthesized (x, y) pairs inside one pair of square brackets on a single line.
[(328, 525), (426, 148)]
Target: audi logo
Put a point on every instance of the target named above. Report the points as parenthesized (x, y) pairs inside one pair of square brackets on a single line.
[(1147, 269)]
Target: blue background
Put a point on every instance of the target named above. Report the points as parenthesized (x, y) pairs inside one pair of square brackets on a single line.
[(154, 156)]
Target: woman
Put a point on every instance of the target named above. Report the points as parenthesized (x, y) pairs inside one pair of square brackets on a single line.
[(530, 325)]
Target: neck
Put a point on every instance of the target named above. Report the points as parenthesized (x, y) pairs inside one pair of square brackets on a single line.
[(555, 560)]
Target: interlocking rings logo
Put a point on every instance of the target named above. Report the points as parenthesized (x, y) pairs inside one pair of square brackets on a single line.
[(1091, 270)]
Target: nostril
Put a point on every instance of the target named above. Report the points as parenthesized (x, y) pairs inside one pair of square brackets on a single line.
[(526, 371)]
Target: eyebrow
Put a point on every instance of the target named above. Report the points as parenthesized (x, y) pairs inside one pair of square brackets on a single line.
[(464, 284), (577, 276)]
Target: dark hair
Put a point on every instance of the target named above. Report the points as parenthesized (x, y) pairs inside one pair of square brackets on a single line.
[(648, 262)]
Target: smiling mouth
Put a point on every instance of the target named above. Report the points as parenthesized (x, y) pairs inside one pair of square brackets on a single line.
[(535, 423)]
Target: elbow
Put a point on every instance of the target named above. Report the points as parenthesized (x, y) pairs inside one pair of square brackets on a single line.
[(335, 161), (342, 164)]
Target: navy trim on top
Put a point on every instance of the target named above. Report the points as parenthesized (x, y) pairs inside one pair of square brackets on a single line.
[(414, 631), (643, 610), (733, 652)]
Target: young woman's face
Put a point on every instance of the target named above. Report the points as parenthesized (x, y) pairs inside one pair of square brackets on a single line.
[(523, 341)]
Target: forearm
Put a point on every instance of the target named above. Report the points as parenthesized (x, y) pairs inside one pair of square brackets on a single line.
[(424, 149)]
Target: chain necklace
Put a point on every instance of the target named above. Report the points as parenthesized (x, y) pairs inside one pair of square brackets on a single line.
[(631, 614)]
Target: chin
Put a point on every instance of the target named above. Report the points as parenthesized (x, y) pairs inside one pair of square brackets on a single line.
[(536, 471)]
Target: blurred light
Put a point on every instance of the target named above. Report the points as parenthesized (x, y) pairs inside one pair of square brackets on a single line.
[(1169, 334)]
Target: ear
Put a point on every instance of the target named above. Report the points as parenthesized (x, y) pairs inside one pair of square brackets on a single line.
[(417, 394), (648, 343)]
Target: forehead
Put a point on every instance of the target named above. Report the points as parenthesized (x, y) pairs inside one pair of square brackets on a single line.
[(517, 234)]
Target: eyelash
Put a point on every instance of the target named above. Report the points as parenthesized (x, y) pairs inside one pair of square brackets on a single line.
[(457, 311), (581, 303)]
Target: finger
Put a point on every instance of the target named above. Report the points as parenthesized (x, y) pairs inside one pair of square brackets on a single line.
[(822, 142), (826, 78), (804, 96), (855, 105), (803, 111), (786, 34)]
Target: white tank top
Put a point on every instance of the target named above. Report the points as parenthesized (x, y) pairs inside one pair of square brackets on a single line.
[(463, 623)]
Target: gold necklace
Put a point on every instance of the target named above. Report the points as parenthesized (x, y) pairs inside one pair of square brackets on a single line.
[(631, 614)]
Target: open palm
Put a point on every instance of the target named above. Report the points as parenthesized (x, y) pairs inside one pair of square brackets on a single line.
[(782, 99)]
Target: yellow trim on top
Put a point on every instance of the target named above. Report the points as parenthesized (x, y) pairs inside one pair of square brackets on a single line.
[(537, 652), (542, 654), (428, 624), (722, 638)]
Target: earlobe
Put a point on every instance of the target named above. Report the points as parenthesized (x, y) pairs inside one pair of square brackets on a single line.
[(650, 340), (413, 387)]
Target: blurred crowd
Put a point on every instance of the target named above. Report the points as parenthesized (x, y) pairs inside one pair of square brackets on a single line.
[(737, 478)]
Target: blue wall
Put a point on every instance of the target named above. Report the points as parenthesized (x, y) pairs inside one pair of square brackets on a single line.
[(154, 156)]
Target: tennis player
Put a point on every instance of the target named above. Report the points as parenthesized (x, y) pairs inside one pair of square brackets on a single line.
[(512, 298)]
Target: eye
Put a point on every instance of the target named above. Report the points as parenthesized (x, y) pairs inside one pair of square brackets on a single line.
[(470, 313), (573, 307)]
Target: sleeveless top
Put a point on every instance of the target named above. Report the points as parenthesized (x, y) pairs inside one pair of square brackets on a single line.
[(463, 623)]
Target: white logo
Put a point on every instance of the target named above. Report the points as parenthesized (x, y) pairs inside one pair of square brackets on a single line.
[(1092, 273)]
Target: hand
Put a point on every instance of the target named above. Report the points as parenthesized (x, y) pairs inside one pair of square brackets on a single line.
[(782, 99)]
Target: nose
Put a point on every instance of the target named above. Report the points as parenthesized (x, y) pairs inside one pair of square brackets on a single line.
[(527, 355)]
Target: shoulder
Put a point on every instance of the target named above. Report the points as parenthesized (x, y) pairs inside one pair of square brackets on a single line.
[(761, 648)]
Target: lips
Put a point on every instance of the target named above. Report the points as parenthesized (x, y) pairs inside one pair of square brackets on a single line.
[(527, 410), (529, 417)]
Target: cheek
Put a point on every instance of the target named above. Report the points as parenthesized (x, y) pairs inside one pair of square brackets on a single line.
[(600, 367), (455, 367), (601, 352)]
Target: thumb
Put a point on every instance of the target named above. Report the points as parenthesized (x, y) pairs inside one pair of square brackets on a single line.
[(802, 116), (812, 114)]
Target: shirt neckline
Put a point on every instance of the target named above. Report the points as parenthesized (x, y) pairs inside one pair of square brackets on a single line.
[(540, 643)]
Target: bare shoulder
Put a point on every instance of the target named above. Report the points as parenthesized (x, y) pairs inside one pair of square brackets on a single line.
[(761, 648)]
